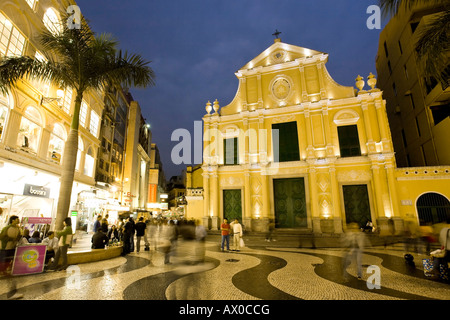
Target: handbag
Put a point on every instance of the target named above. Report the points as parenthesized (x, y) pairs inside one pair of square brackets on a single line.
[(427, 267), (242, 243)]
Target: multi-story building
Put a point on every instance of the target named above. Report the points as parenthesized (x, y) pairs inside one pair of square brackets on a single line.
[(35, 118), (418, 109), (135, 183), (157, 182), (296, 147)]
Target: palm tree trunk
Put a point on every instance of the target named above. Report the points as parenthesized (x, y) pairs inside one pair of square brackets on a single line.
[(68, 167)]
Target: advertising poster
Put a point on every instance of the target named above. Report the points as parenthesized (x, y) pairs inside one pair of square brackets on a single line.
[(29, 259)]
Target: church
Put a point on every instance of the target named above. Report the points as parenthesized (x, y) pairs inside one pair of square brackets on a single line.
[(297, 149)]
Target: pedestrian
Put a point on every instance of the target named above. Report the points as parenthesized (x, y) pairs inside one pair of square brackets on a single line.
[(225, 230), (104, 226), (237, 235), (355, 240), (35, 238), (99, 239), (133, 231), (51, 241), (65, 240), (442, 255), (128, 231), (271, 226), (200, 236), (169, 237), (140, 233), (113, 234), (26, 235), (97, 223), (9, 238), (153, 233)]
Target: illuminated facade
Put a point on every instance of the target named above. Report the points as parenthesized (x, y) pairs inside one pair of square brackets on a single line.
[(296, 147)]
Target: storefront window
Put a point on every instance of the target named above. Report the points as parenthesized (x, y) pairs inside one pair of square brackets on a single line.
[(89, 163), (56, 145), (4, 111), (30, 130)]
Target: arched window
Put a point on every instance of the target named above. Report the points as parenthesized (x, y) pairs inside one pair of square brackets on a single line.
[(433, 208), (89, 162), (80, 149), (56, 145), (12, 42), (30, 130), (5, 106), (52, 22)]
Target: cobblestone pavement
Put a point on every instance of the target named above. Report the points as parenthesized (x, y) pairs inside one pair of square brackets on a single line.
[(260, 271)]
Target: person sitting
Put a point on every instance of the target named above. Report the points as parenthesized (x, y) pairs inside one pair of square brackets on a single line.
[(113, 233), (368, 227), (35, 238), (52, 246), (99, 240)]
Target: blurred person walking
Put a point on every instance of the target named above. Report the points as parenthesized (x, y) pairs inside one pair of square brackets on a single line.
[(355, 240)]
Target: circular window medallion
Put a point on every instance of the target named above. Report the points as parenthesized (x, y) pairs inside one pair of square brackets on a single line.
[(281, 89), (278, 56)]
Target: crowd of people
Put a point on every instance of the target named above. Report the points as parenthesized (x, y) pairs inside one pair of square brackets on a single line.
[(178, 239)]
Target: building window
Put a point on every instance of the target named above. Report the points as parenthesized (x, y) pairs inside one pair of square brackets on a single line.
[(285, 142), (385, 49), (12, 42), (231, 151), (93, 125), (405, 70), (89, 162), (4, 111), (32, 3), (52, 22), (66, 101), (400, 47), (349, 141), (39, 84), (79, 153), (83, 113), (417, 126), (394, 88), (30, 130), (56, 145), (411, 99)]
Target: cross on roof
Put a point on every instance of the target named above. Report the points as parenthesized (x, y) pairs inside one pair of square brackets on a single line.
[(276, 34)]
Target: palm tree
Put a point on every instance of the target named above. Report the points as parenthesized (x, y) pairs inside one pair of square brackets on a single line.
[(83, 61), (432, 46)]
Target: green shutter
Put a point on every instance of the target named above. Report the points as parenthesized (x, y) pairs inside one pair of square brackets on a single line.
[(349, 141), (287, 143), (230, 151)]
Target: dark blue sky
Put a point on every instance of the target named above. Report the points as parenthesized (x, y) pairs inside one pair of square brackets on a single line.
[(196, 46)]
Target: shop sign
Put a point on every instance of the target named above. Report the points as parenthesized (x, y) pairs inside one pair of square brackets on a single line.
[(36, 191), (36, 220), (29, 259)]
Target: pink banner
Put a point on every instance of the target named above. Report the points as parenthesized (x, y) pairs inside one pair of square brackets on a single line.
[(36, 220), (29, 259)]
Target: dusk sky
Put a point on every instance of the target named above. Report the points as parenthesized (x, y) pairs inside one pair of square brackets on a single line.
[(196, 47)]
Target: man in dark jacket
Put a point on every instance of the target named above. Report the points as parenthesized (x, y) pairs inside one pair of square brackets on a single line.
[(140, 232), (99, 239)]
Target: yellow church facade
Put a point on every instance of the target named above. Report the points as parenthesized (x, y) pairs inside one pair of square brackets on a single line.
[(299, 150)]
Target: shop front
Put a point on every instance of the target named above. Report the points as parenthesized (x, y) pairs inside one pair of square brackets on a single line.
[(26, 193)]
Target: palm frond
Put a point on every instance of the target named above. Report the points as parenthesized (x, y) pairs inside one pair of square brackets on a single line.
[(433, 47), (393, 7)]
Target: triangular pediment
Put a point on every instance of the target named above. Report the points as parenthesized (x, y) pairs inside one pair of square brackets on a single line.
[(279, 53)]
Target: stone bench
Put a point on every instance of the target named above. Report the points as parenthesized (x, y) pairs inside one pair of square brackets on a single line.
[(92, 255)]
